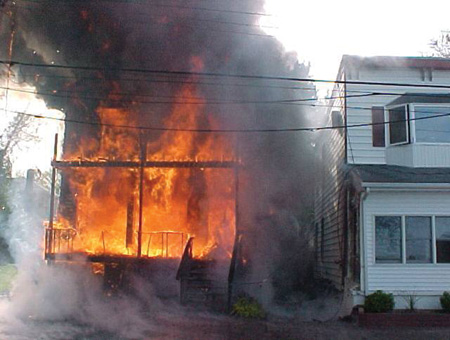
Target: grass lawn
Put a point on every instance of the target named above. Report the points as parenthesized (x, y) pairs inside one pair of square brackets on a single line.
[(7, 274)]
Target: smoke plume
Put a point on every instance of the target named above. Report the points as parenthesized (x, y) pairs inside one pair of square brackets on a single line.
[(109, 36)]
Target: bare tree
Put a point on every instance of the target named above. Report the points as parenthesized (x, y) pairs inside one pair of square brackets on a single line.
[(441, 45), (19, 132)]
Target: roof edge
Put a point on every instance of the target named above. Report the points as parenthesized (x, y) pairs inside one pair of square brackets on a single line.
[(438, 63)]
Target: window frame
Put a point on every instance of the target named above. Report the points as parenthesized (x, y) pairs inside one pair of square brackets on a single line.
[(403, 261), (407, 125), (435, 238), (375, 239), (412, 109), (431, 240)]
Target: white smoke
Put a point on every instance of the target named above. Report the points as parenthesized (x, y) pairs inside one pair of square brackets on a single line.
[(63, 293)]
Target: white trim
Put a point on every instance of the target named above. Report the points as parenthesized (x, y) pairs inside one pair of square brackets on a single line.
[(396, 185), (413, 116), (407, 125), (362, 235), (432, 144), (433, 240), (403, 231), (403, 241)]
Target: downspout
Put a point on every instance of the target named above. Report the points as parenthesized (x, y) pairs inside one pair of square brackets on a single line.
[(345, 237), (362, 236)]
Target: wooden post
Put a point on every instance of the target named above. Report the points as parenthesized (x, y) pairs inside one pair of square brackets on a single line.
[(236, 231), (130, 222), (143, 156), (49, 245)]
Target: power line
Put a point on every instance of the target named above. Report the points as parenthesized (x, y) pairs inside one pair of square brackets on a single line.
[(368, 93), (202, 101), (171, 80), (147, 128), (197, 8), (222, 75), (296, 102)]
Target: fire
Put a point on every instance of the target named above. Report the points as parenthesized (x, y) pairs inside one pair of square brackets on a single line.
[(177, 202)]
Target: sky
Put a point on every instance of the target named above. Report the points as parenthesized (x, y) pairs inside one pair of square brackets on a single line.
[(38, 151), (319, 31), (322, 31)]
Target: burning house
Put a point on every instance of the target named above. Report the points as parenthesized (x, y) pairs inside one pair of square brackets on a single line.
[(168, 154), (138, 209)]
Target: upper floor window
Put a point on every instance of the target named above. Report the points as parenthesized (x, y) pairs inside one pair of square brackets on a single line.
[(418, 123), (428, 127), (398, 125)]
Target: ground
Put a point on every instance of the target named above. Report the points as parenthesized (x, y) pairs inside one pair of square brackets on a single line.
[(314, 319), (210, 326)]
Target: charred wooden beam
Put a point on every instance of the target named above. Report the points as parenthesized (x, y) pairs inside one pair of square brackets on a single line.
[(147, 164), (130, 222), (143, 152), (49, 239)]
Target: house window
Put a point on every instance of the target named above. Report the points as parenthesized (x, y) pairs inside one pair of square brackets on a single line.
[(378, 128), (443, 239), (432, 130), (418, 239), (412, 239), (398, 125), (388, 239)]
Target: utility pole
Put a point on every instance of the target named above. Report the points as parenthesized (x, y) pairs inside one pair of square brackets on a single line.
[(12, 18)]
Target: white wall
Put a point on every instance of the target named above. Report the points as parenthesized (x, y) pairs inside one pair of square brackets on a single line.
[(426, 281), (419, 155), (359, 140)]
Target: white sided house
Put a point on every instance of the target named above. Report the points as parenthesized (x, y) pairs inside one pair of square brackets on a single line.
[(382, 206)]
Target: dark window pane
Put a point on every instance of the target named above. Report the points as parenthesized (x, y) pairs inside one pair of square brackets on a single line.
[(378, 129), (435, 130), (443, 239), (388, 239), (397, 129), (418, 239)]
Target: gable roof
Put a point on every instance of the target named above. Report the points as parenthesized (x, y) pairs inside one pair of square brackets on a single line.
[(371, 173), (423, 98), (435, 63)]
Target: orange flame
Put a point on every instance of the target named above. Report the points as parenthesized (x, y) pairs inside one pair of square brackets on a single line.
[(177, 202)]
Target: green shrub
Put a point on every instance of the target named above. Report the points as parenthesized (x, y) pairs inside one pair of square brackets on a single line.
[(248, 307), (379, 302), (445, 302)]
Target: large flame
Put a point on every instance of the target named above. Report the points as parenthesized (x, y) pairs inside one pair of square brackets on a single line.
[(178, 203)]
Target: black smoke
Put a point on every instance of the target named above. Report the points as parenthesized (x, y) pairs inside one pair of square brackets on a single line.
[(111, 35)]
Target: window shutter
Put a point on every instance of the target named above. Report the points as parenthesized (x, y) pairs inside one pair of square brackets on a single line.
[(378, 129)]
